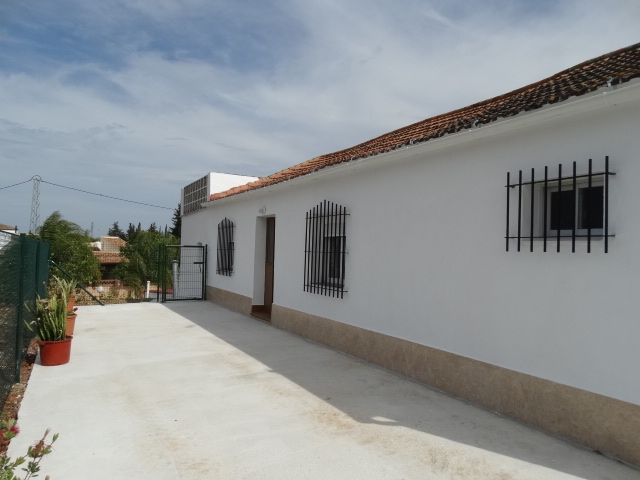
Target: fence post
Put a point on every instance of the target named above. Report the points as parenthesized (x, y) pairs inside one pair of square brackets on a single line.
[(163, 277), (158, 275)]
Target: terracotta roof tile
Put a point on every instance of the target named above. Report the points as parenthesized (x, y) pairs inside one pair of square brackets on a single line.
[(108, 257), (610, 69)]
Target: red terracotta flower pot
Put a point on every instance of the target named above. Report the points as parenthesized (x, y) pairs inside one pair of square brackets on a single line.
[(55, 353), (71, 302), (71, 324)]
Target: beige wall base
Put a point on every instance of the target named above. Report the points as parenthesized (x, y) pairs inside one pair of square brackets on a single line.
[(230, 300), (601, 423)]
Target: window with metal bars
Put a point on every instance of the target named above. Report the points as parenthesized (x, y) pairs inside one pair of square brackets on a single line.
[(325, 250), (225, 248), (548, 209)]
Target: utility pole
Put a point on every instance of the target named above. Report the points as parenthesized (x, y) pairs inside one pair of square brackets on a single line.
[(35, 204)]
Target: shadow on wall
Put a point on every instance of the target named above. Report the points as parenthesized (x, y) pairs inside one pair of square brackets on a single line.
[(392, 400)]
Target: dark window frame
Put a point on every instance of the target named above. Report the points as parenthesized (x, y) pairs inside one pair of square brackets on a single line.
[(325, 250), (226, 248), (538, 202)]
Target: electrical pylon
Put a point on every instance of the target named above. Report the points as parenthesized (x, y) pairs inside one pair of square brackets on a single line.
[(35, 204)]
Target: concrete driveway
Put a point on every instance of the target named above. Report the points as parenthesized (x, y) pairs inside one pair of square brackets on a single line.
[(190, 390)]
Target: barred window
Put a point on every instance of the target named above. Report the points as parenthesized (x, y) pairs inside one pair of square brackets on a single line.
[(325, 250), (562, 208), (225, 248)]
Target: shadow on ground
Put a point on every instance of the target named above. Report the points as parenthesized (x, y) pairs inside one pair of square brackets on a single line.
[(392, 400)]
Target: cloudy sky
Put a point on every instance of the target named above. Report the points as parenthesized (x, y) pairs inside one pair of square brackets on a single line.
[(136, 98)]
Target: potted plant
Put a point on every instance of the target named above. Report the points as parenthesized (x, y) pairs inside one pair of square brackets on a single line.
[(66, 288), (71, 321), (49, 325)]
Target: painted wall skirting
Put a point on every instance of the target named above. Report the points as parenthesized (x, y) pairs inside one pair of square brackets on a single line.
[(230, 300), (599, 422)]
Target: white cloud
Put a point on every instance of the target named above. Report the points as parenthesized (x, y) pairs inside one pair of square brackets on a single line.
[(137, 113)]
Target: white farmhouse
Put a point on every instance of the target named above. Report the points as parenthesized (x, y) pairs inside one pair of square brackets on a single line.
[(491, 252)]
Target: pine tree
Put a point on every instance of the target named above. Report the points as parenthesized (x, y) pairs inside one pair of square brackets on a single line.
[(115, 231), (130, 232), (176, 229)]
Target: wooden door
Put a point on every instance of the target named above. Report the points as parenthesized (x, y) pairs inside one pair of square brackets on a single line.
[(268, 268)]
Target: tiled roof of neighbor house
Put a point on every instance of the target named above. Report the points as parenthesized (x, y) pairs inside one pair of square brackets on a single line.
[(108, 257), (110, 253), (610, 69), (111, 244), (4, 226)]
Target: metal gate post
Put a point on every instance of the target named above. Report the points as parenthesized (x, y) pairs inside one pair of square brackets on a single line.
[(158, 256), (204, 272), (164, 272)]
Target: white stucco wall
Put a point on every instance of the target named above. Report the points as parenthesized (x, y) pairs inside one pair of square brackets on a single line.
[(427, 259)]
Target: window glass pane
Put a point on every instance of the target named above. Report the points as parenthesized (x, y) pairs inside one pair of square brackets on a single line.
[(333, 250), (591, 207), (230, 257), (563, 208)]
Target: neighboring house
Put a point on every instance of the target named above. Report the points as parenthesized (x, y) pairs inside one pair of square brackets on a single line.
[(5, 230), (467, 251), (196, 193), (107, 250), (8, 228)]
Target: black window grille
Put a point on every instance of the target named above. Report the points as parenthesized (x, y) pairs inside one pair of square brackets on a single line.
[(225, 248), (325, 250), (553, 209)]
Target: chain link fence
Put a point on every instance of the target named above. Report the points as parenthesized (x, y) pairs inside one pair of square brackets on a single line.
[(24, 272)]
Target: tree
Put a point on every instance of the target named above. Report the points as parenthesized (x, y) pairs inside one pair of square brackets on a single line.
[(176, 229), (115, 231), (130, 232), (70, 248), (153, 228), (141, 259)]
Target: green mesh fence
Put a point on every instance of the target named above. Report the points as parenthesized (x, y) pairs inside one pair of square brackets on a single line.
[(24, 270)]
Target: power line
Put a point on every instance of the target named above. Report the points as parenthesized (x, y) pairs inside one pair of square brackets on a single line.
[(16, 184), (106, 196), (91, 193)]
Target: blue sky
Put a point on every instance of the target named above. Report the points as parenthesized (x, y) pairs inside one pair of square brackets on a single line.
[(135, 99)]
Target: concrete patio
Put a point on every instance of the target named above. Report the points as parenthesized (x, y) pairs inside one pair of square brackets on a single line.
[(190, 390)]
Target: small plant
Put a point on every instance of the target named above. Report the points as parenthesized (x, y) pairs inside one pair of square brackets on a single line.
[(8, 428), (72, 312), (109, 295), (35, 453), (64, 288), (50, 319), (82, 299)]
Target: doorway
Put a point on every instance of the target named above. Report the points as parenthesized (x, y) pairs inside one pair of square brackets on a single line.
[(268, 265), (264, 311)]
